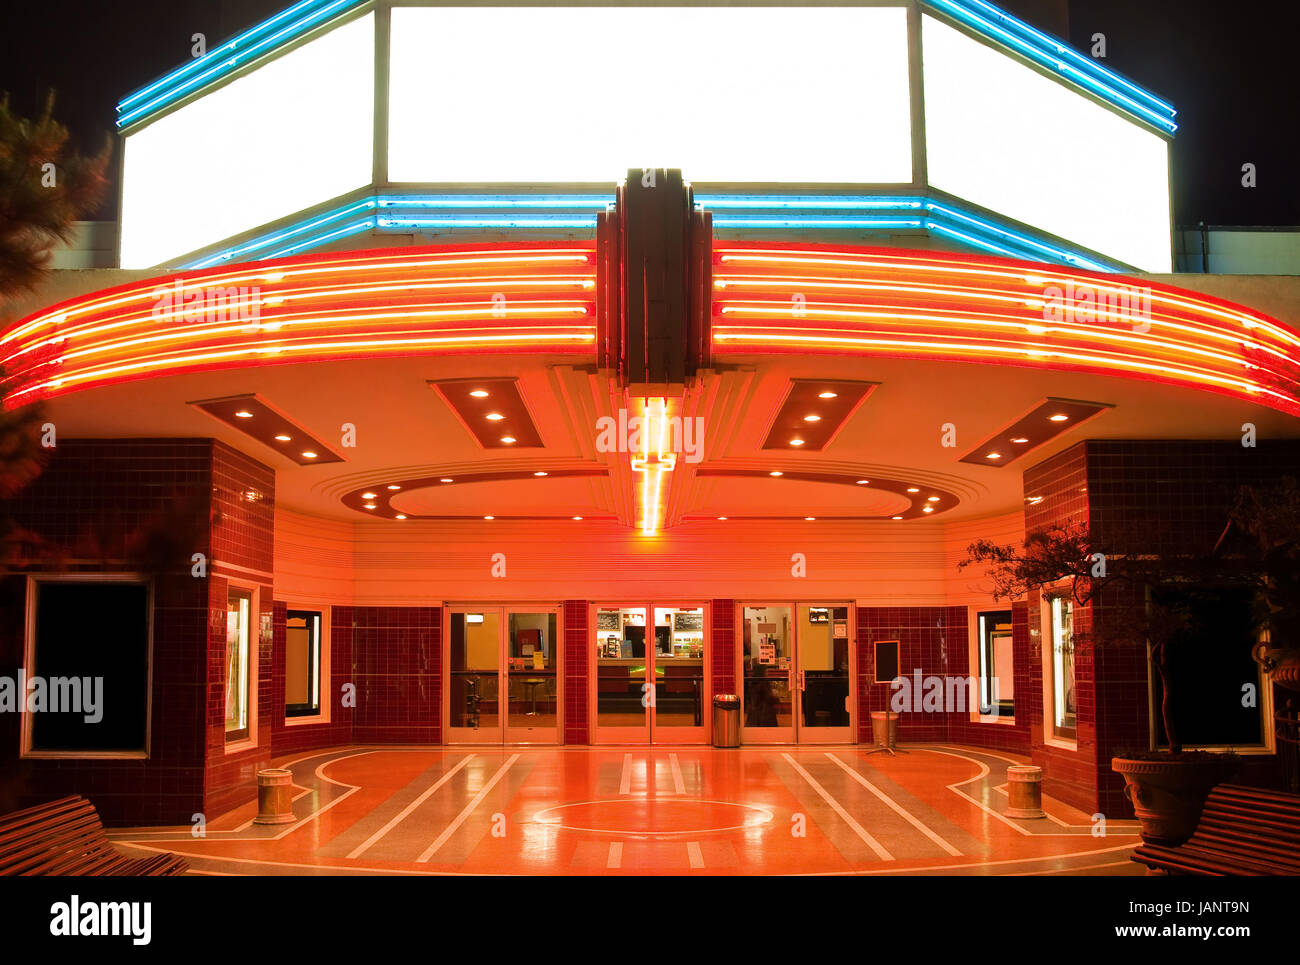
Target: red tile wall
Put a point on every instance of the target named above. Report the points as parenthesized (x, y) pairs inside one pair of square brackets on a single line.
[(243, 526), (577, 657), (1012, 737), (927, 638), (1162, 496), (397, 669), (722, 638), (91, 498)]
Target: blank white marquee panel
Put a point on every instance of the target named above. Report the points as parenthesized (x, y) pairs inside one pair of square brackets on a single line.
[(1003, 136), (292, 134), (556, 95)]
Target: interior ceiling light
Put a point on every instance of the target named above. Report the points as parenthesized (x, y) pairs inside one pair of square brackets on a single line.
[(401, 516), (796, 442), (933, 499), (283, 438), (913, 489), (494, 417), (994, 455), (446, 479), (577, 517), (368, 495), (927, 509), (1059, 417), (370, 505), (826, 395), (244, 414), (394, 486), (812, 418), (776, 472), (1019, 440), (308, 454), (479, 393), (864, 482), (508, 440), (539, 474), (489, 517)]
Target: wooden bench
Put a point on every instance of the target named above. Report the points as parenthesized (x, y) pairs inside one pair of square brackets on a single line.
[(66, 837), (1242, 831)]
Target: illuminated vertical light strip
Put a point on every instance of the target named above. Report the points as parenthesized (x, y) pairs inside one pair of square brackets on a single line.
[(652, 462)]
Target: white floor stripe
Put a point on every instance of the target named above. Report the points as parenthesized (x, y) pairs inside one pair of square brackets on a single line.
[(615, 855), (694, 854), (858, 829), (432, 849), (405, 812), (897, 808), (679, 783), (625, 785)]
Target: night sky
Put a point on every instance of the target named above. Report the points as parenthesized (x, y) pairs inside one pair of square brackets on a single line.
[(1229, 68)]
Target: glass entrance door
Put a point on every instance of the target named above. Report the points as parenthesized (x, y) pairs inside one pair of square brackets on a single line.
[(796, 674), (502, 675), (650, 682), (822, 685)]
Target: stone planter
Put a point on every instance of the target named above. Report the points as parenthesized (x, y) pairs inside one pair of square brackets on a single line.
[(1168, 795)]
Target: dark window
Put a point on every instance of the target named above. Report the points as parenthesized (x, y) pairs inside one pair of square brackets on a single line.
[(1210, 664), (91, 652)]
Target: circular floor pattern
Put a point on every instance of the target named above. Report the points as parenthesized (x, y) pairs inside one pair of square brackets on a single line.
[(654, 817)]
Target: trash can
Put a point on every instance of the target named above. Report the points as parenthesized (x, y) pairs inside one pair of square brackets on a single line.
[(726, 720), (884, 728), (274, 796)]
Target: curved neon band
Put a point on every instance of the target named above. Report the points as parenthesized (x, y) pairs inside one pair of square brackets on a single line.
[(406, 301), (805, 298)]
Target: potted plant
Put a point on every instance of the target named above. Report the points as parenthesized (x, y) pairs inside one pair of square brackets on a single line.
[(1151, 601), (1268, 519)]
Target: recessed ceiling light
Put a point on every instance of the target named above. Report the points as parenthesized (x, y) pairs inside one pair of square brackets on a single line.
[(812, 417), (927, 509), (494, 417), (370, 505), (826, 395), (723, 518), (394, 486), (283, 438), (308, 454), (796, 442), (479, 393), (896, 517), (1019, 440), (489, 517), (810, 519), (776, 472), (368, 495), (401, 516), (577, 518), (244, 414), (994, 455), (1059, 417), (932, 499), (863, 482), (508, 440), (913, 489), (539, 474)]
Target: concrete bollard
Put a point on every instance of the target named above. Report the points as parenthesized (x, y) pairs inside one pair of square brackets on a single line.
[(274, 796), (1024, 792)]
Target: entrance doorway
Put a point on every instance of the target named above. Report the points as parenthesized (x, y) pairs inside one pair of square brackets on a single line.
[(796, 668), (651, 676), (503, 680)]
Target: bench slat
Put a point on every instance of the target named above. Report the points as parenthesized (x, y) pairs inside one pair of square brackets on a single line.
[(1242, 831), (66, 837)]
